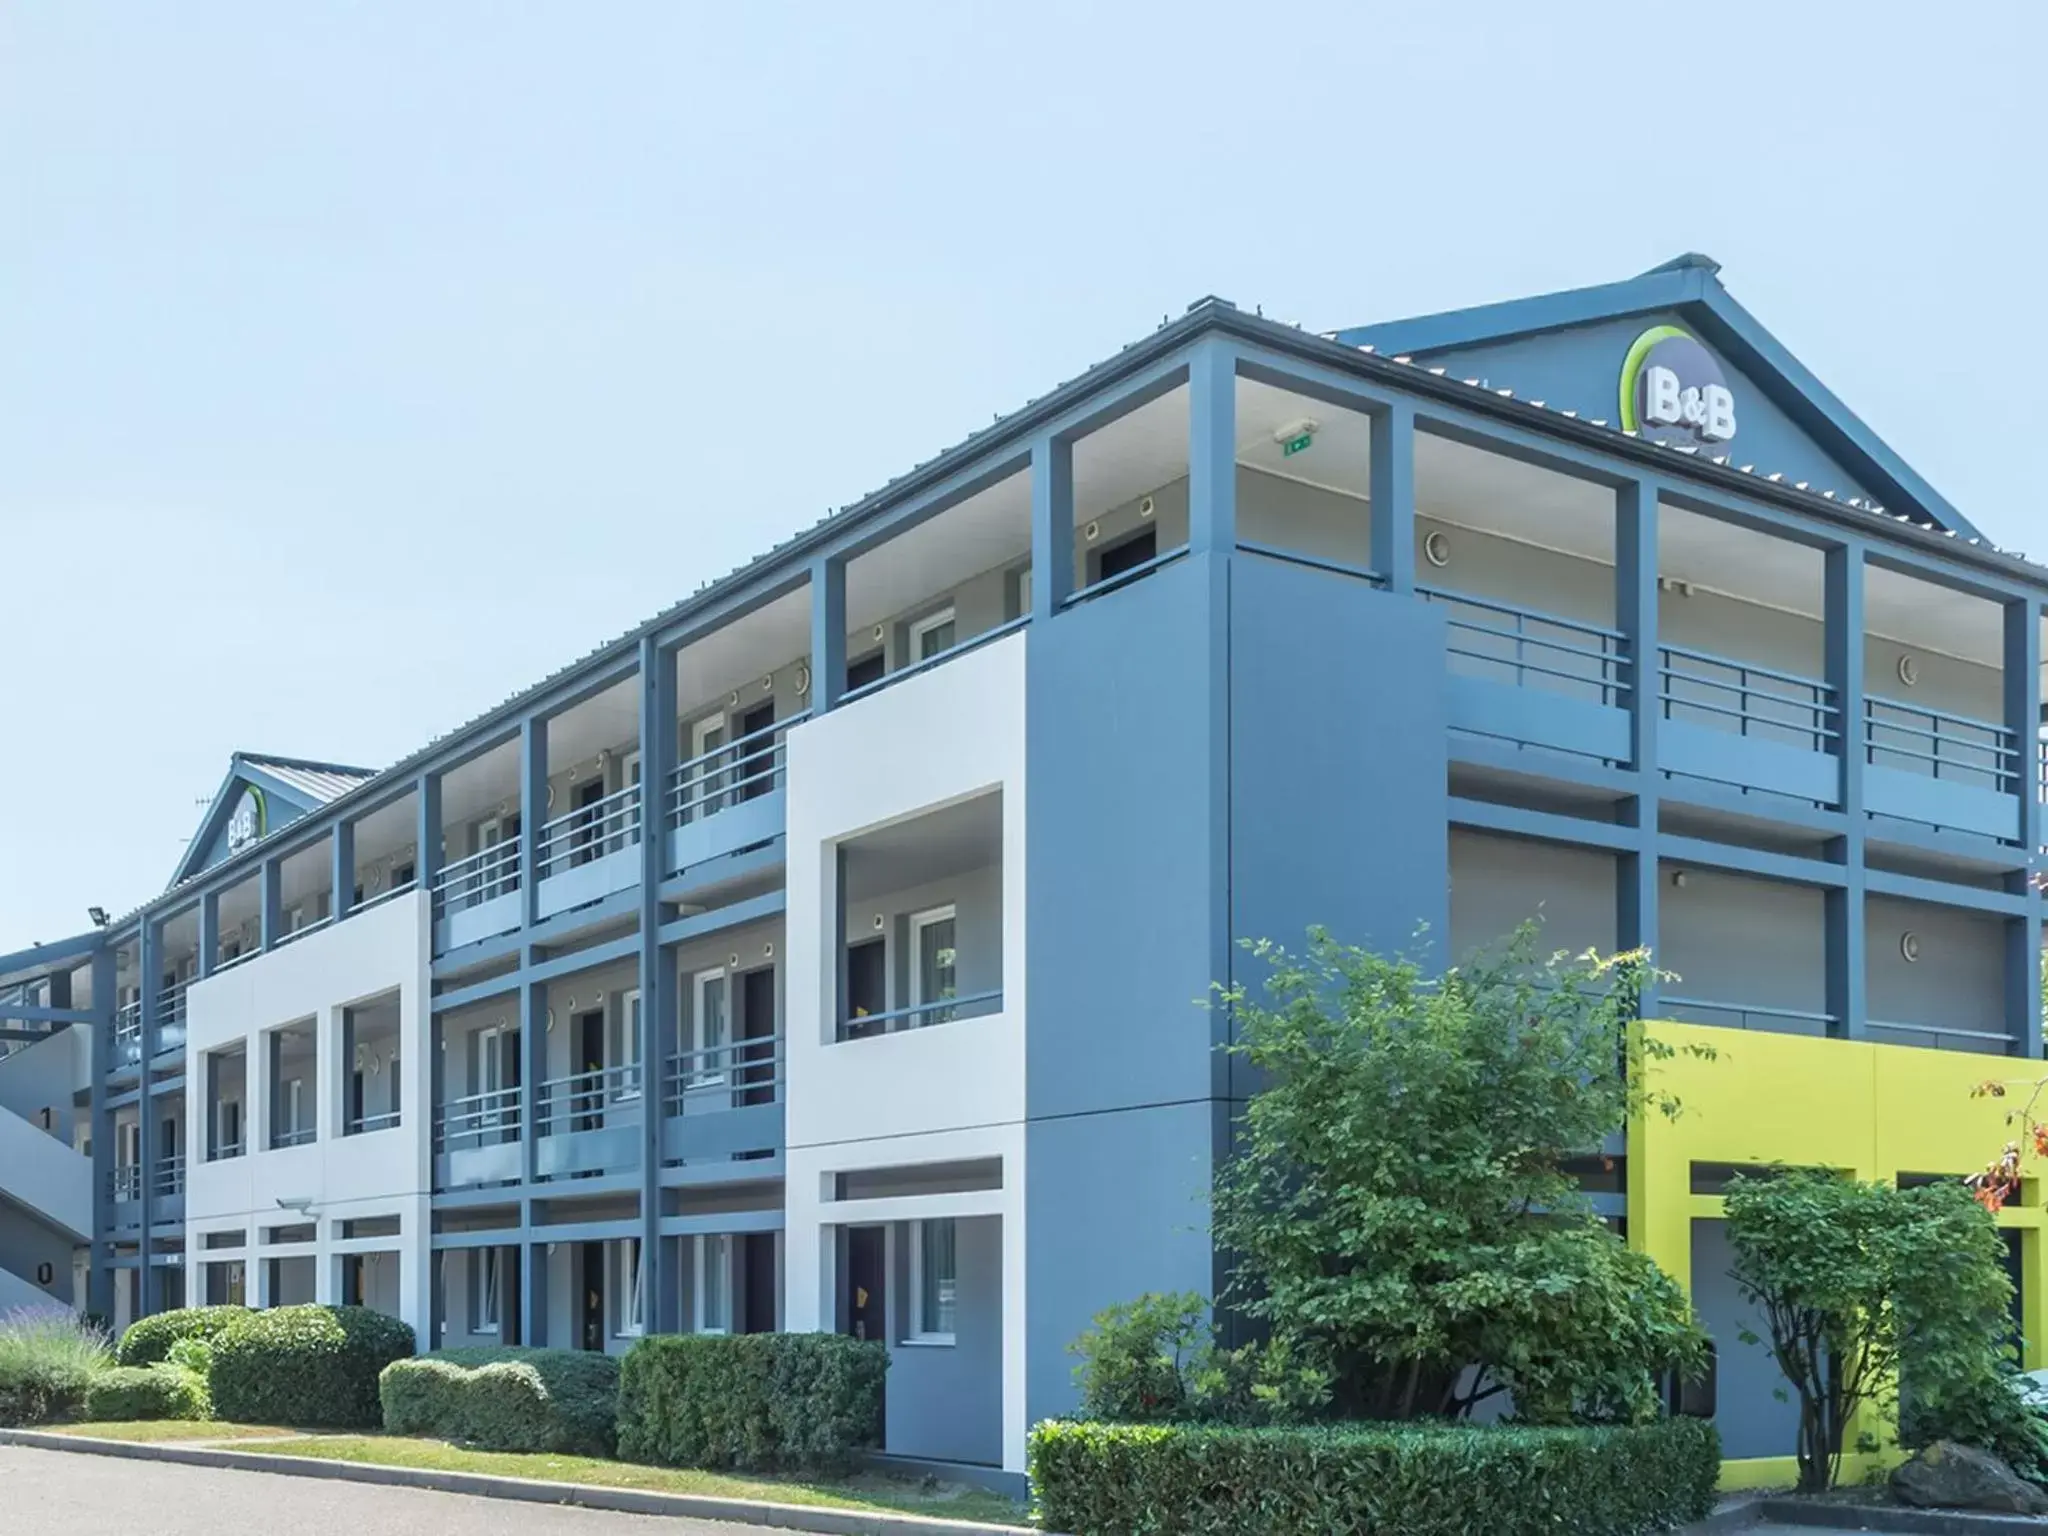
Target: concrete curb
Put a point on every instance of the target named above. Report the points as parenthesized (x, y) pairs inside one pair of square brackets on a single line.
[(824, 1521), (1895, 1517)]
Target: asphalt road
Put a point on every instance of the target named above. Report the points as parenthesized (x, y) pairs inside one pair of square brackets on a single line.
[(84, 1495)]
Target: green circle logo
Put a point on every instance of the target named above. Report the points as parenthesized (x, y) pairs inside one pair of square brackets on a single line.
[(1673, 391)]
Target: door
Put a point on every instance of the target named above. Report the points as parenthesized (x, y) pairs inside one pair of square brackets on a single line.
[(757, 1030), (586, 1097), (590, 1296), (867, 987), (508, 1296), (493, 877), (757, 1263), (867, 669), (584, 842), (866, 1262), (1127, 556), (756, 773)]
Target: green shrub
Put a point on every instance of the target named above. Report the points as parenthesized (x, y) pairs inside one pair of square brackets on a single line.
[(1155, 1360), (149, 1339), (506, 1399), (195, 1355), (47, 1357), (1093, 1479), (313, 1366), (757, 1401), (147, 1392)]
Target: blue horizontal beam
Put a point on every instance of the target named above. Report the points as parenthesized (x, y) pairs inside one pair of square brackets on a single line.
[(1883, 882), (1703, 854), (75, 947), (1544, 826), (23, 1013), (753, 909)]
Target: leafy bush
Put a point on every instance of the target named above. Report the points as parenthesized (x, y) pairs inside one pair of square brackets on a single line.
[(1155, 1360), (505, 1399), (1400, 1206), (194, 1355), (149, 1339), (147, 1392), (758, 1401), (47, 1357), (314, 1366), (1418, 1480)]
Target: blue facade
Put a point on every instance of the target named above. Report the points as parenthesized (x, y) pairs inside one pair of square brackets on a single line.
[(1231, 737)]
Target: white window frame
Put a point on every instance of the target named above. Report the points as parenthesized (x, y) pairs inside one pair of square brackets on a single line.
[(709, 787), (295, 1104), (917, 1333), (927, 625), (700, 981), (1024, 593), (221, 1113), (128, 1152), (627, 1023), (628, 1301), (714, 1256), (484, 1292), (920, 924)]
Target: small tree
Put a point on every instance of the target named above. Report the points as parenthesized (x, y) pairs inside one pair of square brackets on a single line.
[(1813, 1253), (1399, 1208)]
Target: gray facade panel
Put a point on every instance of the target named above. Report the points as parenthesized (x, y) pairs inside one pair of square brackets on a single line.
[(945, 1401), (1115, 1205), (1751, 1418)]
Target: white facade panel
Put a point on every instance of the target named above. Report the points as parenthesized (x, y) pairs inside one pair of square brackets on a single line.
[(333, 1178)]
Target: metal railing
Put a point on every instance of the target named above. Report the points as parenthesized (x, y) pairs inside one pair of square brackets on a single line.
[(222, 1150), (1748, 1015), (590, 831), (587, 1101), (358, 1124), (168, 1177), (486, 1119), (128, 1031), (1746, 699), (170, 1004), (944, 1010), (299, 1137), (486, 874), (958, 648), (1513, 644), (740, 770), (293, 936), (1917, 738), (125, 1183), (716, 1077), (1313, 562), (382, 896), (234, 960), (1943, 1031)]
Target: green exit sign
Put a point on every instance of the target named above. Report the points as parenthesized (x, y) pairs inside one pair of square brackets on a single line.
[(1295, 445)]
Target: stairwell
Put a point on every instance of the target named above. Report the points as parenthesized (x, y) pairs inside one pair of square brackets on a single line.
[(46, 1205)]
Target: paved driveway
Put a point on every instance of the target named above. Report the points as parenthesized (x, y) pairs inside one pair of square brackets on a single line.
[(82, 1495)]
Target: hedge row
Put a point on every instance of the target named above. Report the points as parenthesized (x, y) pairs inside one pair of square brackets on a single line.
[(148, 1340), (147, 1392), (507, 1399), (309, 1366), (757, 1401), (1094, 1479)]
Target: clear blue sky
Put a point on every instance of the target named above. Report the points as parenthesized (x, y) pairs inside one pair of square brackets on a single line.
[(361, 363)]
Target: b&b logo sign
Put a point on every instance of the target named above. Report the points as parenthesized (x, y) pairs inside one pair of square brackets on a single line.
[(1673, 391)]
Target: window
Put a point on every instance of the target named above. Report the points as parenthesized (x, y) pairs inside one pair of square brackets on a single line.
[(295, 1105), (932, 967), (626, 1046), (483, 1290), (714, 1288), (709, 1014), (930, 636), (629, 1282), (1024, 592), (230, 1128), (401, 875), (705, 782), (934, 1281)]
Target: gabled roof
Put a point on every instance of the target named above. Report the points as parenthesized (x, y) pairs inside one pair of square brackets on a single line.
[(1691, 285), (296, 785)]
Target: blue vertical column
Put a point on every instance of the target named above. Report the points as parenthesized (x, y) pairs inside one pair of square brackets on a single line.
[(1635, 610), (209, 934), (533, 1256), (1212, 448), (828, 633), (1392, 488), (1052, 525), (1847, 976), (657, 1003), (99, 1279), (269, 904), (2022, 673), (533, 809), (343, 873), (149, 958)]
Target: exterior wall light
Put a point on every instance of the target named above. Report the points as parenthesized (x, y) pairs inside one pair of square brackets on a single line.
[(1436, 549), (1909, 671), (1678, 878), (1909, 947)]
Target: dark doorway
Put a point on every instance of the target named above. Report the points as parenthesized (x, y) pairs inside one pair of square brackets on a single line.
[(590, 1291), (585, 845), (866, 1310), (586, 1096), (758, 1264), (867, 987), (756, 771), (352, 1280), (757, 1036), (510, 1323), (1127, 556), (868, 669)]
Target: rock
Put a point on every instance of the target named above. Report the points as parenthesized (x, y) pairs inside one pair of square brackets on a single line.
[(2032, 1389), (1950, 1476)]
